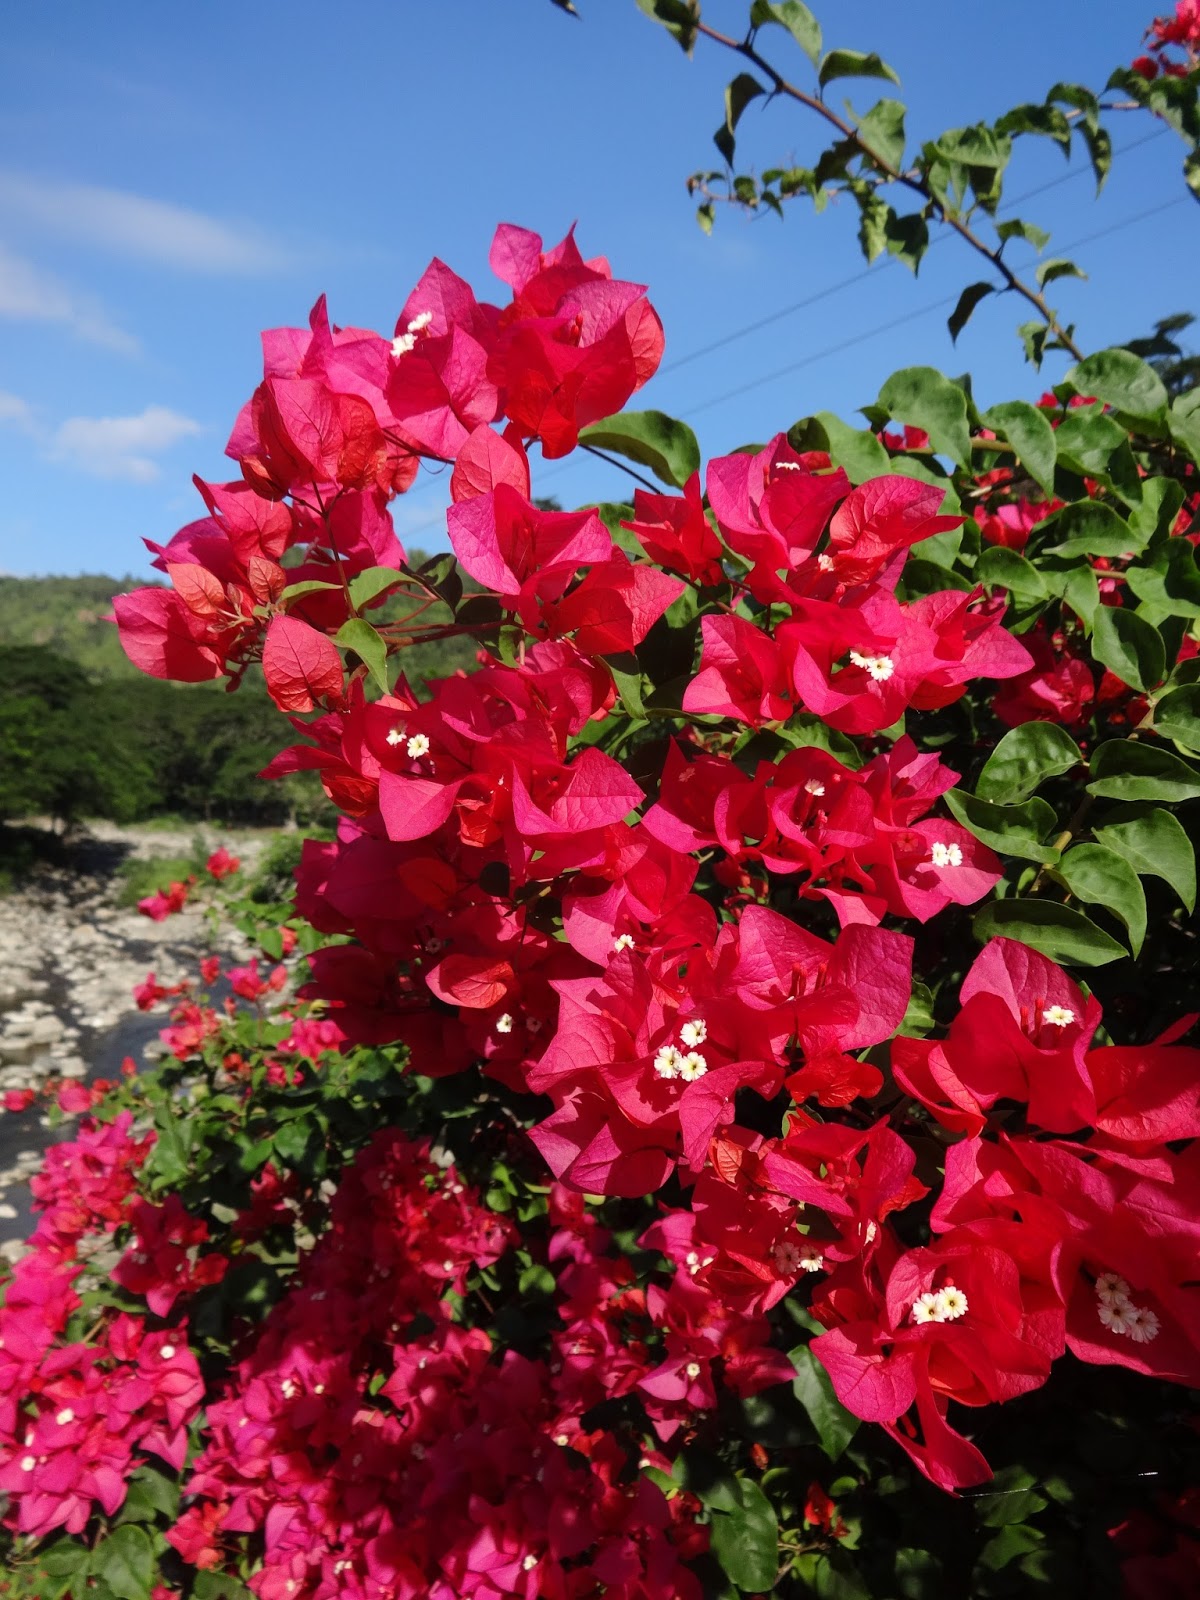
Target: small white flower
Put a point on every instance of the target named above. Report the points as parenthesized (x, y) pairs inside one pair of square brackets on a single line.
[(954, 1303), (811, 1259), (814, 786), (824, 562), (529, 1563), (878, 667), (1117, 1318), (561, 1439), (1144, 1325), (447, 1266), (694, 1033), (692, 1369), (788, 466), (1058, 1016), (946, 855), (167, 1352), (288, 1388), (623, 941), (928, 1308), (668, 1061), (787, 1258), (504, 1023), (1111, 1289), (402, 344), (420, 322), (692, 1066), (28, 1463), (64, 1416), (395, 736), (418, 746)]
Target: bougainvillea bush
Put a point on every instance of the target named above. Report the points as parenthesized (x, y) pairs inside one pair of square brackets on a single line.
[(736, 1130)]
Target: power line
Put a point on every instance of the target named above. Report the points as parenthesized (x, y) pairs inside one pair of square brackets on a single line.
[(911, 316), (847, 283)]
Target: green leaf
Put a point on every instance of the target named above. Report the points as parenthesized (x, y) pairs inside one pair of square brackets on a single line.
[(1154, 517), (796, 18), (218, 1586), (1100, 152), (1155, 844), (746, 1540), (834, 1425), (882, 130), (627, 674), (369, 585), (855, 449), (1123, 381), (1014, 1498), (1058, 931), (1057, 267), (1029, 432), (1087, 440), (368, 646), (853, 64), (1104, 878), (651, 438), (297, 591), (1014, 228), (967, 301), (125, 1561), (1127, 645), (1172, 583), (1177, 715), (678, 17), (1046, 121), (1015, 830), (1128, 769), (150, 1495), (1091, 528), (738, 95), (1006, 569), (1024, 759), (977, 146), (924, 398), (1191, 172)]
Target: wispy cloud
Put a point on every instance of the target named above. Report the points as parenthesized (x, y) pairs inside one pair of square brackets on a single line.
[(121, 447), (17, 413), (134, 226), (27, 294)]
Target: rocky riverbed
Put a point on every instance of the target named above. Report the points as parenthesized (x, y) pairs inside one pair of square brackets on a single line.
[(70, 955)]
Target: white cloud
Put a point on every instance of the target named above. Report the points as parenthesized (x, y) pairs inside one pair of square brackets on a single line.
[(16, 413), (121, 447), (132, 225), (27, 294)]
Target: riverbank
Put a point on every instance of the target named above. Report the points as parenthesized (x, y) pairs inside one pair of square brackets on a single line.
[(70, 955)]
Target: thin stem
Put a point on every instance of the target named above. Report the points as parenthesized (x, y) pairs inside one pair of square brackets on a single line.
[(655, 488), (894, 174)]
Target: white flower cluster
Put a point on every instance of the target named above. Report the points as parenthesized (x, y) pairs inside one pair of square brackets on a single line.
[(947, 1305), (406, 341), (688, 1063), (1119, 1314), (879, 667), (946, 855), (790, 1258)]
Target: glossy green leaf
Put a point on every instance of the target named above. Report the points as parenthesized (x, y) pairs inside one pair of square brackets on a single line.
[(977, 146), (967, 301), (652, 439), (1087, 440), (1129, 646), (796, 18), (1029, 432), (1091, 528), (1058, 931), (124, 1559), (1129, 769), (1007, 569), (1177, 715), (746, 1540), (855, 449), (1058, 267), (924, 398), (1014, 228), (853, 64), (1153, 518), (297, 591), (1103, 878), (1123, 381), (1014, 830), (738, 95), (835, 1426), (368, 646), (1024, 759), (1155, 844), (369, 585), (1171, 580)]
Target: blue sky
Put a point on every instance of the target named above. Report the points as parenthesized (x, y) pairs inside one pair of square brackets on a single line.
[(173, 179)]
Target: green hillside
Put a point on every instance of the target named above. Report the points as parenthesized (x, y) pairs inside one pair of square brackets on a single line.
[(65, 615)]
